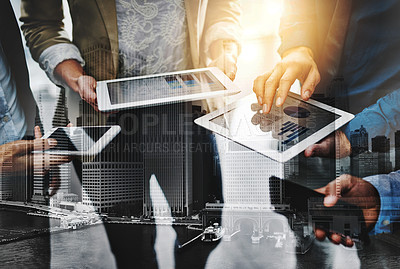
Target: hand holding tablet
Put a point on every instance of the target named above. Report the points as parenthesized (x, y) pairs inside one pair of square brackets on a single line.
[(283, 133), (164, 88)]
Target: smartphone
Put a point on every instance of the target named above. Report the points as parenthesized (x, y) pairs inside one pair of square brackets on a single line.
[(344, 218)]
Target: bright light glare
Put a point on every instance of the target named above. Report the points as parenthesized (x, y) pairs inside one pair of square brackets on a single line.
[(261, 17), (250, 52), (275, 7)]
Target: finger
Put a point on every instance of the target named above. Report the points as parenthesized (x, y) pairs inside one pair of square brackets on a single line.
[(54, 160), (259, 86), (285, 83), (346, 241), (44, 144), (231, 73), (54, 185), (330, 193), (271, 86), (310, 151), (320, 234), (335, 238), (38, 133), (330, 200), (44, 162), (310, 83), (87, 89), (230, 67)]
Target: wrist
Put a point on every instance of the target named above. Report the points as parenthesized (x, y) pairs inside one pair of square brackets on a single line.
[(69, 71), (223, 47), (303, 50)]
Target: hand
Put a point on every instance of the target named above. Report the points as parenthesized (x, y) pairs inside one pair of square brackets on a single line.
[(326, 148), (224, 56), (297, 63), (350, 188), (15, 156), (43, 162), (71, 72)]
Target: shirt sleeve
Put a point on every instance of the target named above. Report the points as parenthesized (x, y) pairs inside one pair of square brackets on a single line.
[(56, 54), (223, 22), (388, 187), (298, 26), (382, 118)]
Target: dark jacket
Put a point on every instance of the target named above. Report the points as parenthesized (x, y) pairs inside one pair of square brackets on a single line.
[(319, 25)]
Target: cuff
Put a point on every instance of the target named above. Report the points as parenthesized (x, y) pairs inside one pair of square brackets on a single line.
[(388, 187), (223, 31), (56, 54)]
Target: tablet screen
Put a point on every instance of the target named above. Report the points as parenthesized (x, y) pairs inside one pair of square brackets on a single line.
[(77, 138), (144, 89), (279, 130)]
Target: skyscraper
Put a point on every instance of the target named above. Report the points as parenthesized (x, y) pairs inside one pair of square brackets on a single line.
[(114, 177), (397, 149), (206, 167), (167, 136), (109, 184), (381, 145), (359, 140), (59, 176), (359, 146)]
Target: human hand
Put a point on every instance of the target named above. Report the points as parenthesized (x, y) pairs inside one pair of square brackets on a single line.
[(297, 63), (355, 191), (71, 72), (15, 156), (224, 56), (326, 148)]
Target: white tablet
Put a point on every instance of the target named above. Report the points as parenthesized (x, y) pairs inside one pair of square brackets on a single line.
[(89, 140), (281, 134), (157, 89)]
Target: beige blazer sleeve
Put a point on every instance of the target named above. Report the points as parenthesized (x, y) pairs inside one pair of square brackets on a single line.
[(43, 25), (209, 21), (222, 22)]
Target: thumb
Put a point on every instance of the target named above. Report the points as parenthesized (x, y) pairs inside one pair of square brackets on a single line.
[(319, 150), (330, 194), (310, 150), (330, 200)]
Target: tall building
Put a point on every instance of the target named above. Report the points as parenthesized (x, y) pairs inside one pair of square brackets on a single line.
[(58, 177), (114, 177), (167, 139), (109, 184), (206, 167), (381, 145), (397, 149), (359, 140), (245, 175)]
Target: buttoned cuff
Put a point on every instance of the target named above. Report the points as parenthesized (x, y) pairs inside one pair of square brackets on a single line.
[(388, 187), (56, 54)]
